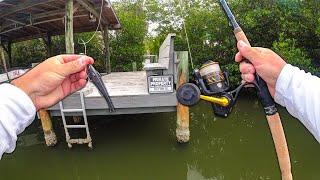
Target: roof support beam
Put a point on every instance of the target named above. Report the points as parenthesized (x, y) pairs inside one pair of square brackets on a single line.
[(24, 24), (6, 4), (23, 6), (106, 50), (34, 17), (87, 5), (40, 22)]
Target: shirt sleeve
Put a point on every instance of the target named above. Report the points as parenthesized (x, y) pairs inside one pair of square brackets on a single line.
[(299, 92), (17, 111)]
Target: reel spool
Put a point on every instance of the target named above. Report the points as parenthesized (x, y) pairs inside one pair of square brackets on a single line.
[(213, 77)]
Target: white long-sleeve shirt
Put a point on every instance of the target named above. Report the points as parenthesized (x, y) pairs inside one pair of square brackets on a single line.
[(296, 90), (17, 111), (299, 92)]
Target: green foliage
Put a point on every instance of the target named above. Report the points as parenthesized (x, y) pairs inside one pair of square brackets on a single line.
[(234, 74), (318, 28), (291, 28), (127, 45), (287, 49), (95, 48), (27, 52)]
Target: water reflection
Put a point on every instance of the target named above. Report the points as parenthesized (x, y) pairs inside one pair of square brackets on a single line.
[(194, 174), (144, 147), (27, 140)]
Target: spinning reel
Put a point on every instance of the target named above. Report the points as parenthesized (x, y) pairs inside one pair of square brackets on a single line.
[(212, 85)]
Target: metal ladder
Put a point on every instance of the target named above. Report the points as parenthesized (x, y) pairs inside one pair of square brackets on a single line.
[(70, 141)]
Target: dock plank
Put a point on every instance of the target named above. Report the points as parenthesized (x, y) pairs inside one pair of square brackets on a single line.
[(123, 84), (129, 93)]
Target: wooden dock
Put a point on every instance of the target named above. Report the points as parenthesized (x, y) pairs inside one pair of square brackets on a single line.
[(152, 90), (134, 93), (129, 93)]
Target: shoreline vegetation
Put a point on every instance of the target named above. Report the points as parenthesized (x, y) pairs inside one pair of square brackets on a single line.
[(290, 28)]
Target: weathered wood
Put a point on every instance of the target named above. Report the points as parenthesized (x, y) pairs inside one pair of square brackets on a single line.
[(86, 4), (24, 24), (49, 135), (120, 102), (124, 84), (22, 6), (69, 27), (48, 42), (165, 61), (107, 49), (9, 52), (7, 49), (182, 131), (69, 37), (2, 56), (134, 66), (103, 112), (26, 19)]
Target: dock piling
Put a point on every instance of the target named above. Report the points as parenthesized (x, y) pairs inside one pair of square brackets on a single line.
[(182, 131), (49, 135)]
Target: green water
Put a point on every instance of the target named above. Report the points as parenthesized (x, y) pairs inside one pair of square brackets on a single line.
[(144, 147)]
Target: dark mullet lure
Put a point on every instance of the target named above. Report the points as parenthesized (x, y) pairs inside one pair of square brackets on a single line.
[(96, 79)]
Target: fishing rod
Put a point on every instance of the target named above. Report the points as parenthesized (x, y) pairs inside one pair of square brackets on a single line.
[(211, 84), (267, 102)]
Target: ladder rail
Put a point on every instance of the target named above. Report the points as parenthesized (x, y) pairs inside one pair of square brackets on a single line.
[(82, 126), (64, 121), (84, 114)]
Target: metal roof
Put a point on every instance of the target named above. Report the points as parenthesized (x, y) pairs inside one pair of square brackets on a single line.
[(28, 19)]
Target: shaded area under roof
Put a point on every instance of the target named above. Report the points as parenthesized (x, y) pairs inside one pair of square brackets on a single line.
[(28, 19)]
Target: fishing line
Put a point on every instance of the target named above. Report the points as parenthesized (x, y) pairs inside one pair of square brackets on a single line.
[(84, 43), (186, 33)]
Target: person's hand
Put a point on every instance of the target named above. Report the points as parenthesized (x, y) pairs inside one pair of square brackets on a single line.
[(265, 62), (54, 79)]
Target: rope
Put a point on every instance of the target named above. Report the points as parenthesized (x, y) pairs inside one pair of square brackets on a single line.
[(84, 43), (186, 34)]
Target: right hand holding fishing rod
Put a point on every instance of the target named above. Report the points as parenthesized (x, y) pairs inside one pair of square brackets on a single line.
[(265, 62)]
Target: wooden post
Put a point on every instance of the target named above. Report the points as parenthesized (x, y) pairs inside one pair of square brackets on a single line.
[(134, 66), (182, 131), (48, 42), (69, 36), (8, 51), (106, 49), (49, 134), (69, 27), (2, 56)]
